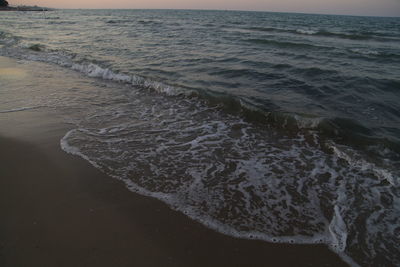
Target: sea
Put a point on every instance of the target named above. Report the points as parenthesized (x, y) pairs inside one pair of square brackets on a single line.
[(280, 127)]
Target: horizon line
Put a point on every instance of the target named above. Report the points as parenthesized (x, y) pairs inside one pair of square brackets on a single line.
[(201, 9)]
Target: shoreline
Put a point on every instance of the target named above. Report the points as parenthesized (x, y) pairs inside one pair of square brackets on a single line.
[(58, 210)]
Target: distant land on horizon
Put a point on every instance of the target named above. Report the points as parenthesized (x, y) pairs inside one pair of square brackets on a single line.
[(25, 8)]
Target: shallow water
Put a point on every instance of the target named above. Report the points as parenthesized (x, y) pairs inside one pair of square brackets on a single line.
[(280, 127)]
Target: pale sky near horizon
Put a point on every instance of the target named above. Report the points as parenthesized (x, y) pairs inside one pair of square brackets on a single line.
[(348, 7)]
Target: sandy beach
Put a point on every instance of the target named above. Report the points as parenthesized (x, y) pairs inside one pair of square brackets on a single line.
[(58, 210)]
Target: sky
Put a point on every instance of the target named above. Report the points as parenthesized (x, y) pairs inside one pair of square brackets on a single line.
[(347, 7)]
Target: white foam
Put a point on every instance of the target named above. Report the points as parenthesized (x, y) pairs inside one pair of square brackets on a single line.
[(365, 51), (185, 190), (309, 32), (93, 70), (307, 123), (73, 149), (204, 164), (338, 231), (358, 162)]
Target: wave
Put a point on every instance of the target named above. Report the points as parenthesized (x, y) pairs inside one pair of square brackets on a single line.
[(8, 39), (284, 44), (353, 36), (18, 109), (343, 130), (365, 52), (264, 29), (308, 32), (36, 47), (93, 70), (374, 53), (118, 21), (115, 21), (314, 71), (39, 53), (149, 22), (325, 33)]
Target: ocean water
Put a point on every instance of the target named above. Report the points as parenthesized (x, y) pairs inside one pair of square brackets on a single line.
[(272, 126)]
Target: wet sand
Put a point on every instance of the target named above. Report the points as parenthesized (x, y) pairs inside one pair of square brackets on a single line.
[(58, 210)]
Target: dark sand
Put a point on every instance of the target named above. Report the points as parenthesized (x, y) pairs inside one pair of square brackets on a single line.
[(58, 210)]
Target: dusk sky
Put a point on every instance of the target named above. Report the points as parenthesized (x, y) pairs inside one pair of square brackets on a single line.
[(350, 7)]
